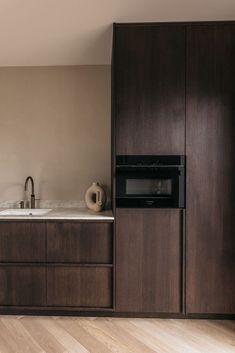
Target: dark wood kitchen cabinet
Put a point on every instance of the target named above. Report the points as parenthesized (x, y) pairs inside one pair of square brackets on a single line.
[(83, 242), (210, 265), (22, 264), (80, 264), (22, 242), (22, 285), (47, 265), (149, 89), (173, 93), (148, 260), (83, 286)]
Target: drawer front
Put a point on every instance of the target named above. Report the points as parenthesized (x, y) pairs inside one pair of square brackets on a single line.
[(22, 242), (79, 286), (79, 242), (22, 285)]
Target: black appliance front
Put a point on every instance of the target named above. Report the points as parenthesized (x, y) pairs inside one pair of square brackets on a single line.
[(150, 181)]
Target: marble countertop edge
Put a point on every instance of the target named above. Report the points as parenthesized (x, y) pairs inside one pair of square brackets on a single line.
[(77, 213)]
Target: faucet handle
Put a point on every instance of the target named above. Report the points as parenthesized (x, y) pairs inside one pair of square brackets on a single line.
[(37, 203), (21, 204)]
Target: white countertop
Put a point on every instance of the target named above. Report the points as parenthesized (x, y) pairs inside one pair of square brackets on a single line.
[(82, 214)]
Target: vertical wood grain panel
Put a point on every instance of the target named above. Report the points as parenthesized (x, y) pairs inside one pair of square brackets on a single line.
[(211, 169), (149, 89), (82, 242), (22, 241), (23, 285), (79, 286), (148, 260)]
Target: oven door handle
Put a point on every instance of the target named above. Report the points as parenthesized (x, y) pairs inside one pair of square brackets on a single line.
[(124, 167)]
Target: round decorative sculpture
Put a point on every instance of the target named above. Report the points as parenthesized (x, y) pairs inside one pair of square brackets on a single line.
[(95, 197)]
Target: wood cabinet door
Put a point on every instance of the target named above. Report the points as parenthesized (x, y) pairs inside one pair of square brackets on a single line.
[(22, 285), (80, 242), (210, 229), (22, 242), (148, 260), (149, 89), (81, 286)]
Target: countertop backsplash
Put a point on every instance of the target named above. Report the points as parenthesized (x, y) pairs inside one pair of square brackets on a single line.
[(49, 204)]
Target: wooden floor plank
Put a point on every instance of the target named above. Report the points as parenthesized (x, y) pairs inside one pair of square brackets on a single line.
[(32, 334), (186, 339), (24, 341), (145, 337), (7, 340), (131, 341), (62, 336), (81, 335), (209, 336), (94, 328), (120, 335), (225, 328), (46, 340), (165, 335)]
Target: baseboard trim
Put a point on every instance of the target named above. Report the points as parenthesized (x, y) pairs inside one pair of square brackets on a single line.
[(71, 311)]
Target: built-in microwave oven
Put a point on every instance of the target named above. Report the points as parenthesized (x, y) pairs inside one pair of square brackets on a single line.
[(150, 181)]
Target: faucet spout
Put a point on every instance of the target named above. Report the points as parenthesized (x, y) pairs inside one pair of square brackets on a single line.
[(29, 178)]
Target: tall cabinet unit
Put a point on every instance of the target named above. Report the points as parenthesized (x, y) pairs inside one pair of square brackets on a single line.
[(149, 89), (174, 93), (149, 119), (210, 151), (149, 277)]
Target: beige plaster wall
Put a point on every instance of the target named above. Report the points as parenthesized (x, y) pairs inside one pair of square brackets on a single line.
[(55, 126)]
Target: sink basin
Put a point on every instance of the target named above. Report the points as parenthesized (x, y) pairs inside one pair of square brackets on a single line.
[(25, 212)]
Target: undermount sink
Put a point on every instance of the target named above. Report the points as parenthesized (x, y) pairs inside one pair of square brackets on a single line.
[(25, 212)]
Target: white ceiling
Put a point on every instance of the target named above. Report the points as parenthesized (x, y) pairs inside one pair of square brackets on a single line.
[(79, 32)]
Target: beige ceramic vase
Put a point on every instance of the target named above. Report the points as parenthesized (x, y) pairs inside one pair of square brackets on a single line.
[(95, 197)]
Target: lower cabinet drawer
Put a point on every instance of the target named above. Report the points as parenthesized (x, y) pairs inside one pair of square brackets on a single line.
[(79, 286), (77, 242), (22, 242), (22, 285)]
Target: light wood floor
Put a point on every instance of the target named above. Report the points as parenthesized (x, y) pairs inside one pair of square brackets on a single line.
[(106, 335)]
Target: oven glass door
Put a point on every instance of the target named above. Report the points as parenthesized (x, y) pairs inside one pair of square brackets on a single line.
[(156, 188), (149, 187)]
